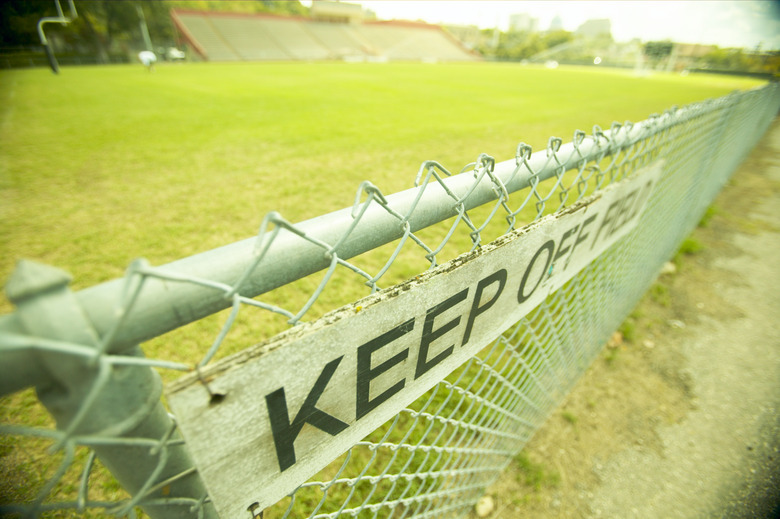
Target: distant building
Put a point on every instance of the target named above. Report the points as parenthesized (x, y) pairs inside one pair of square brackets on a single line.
[(337, 12), (523, 23), (595, 28), (556, 24)]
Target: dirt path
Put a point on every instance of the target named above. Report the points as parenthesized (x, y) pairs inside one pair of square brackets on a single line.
[(681, 418)]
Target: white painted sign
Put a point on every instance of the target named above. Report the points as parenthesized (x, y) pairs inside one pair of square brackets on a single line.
[(294, 404)]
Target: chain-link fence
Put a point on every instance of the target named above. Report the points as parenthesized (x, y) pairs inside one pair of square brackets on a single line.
[(116, 448)]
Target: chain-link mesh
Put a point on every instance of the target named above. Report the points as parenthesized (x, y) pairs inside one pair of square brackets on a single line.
[(437, 456)]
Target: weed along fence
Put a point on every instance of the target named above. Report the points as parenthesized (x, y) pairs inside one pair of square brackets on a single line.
[(488, 293)]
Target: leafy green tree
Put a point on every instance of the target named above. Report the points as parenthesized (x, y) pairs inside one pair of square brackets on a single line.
[(657, 51), (106, 27), (741, 60), (101, 22), (555, 38), (519, 45), (726, 59), (19, 20)]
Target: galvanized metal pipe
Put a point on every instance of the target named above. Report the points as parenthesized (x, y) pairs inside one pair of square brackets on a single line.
[(89, 398)]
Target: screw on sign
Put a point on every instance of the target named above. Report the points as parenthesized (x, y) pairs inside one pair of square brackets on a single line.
[(253, 509)]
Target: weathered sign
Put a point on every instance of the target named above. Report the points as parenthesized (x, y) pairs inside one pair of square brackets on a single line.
[(294, 404)]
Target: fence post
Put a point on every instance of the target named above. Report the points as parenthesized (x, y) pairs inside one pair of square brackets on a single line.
[(93, 399)]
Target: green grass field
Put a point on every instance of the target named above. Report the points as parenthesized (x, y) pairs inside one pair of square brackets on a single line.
[(103, 165)]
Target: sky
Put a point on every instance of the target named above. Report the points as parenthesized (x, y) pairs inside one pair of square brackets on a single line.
[(726, 23)]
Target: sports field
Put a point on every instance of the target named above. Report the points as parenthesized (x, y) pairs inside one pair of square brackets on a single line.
[(106, 164)]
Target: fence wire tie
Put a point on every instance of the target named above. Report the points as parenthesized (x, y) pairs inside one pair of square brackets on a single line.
[(598, 135), (627, 127), (578, 138), (653, 122), (215, 397), (553, 146), (372, 193), (430, 167), (523, 153), (622, 134), (614, 129), (487, 162)]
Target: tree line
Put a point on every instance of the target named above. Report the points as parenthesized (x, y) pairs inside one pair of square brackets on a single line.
[(106, 27), (110, 30), (719, 59)]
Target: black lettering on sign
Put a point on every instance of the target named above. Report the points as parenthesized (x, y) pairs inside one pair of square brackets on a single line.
[(429, 334), (581, 237), (642, 199), (285, 432), (561, 249), (497, 277), (549, 246), (624, 215), (608, 221), (365, 373)]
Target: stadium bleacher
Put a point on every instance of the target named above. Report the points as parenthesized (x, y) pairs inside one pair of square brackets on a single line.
[(340, 39), (208, 42), (220, 36), (247, 42)]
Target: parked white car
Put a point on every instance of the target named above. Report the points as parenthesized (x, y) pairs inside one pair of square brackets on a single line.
[(174, 54)]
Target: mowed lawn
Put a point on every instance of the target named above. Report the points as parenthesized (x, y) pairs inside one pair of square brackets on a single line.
[(102, 165)]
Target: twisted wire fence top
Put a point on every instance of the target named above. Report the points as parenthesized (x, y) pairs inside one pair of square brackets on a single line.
[(435, 457)]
